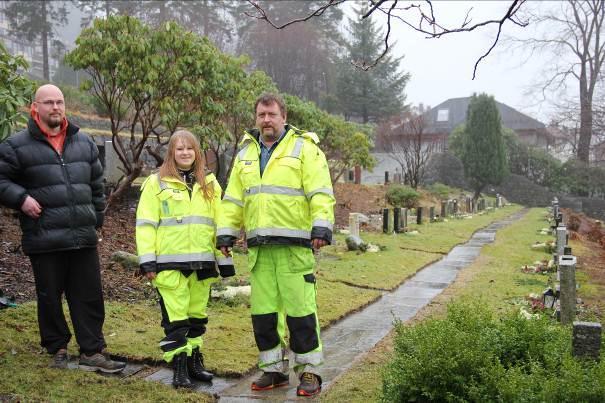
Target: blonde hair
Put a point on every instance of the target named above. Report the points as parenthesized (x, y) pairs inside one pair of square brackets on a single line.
[(170, 169)]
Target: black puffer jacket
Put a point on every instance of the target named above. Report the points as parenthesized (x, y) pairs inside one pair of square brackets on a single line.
[(68, 187)]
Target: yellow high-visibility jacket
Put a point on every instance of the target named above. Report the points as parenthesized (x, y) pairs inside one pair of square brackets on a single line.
[(176, 231), (290, 204)]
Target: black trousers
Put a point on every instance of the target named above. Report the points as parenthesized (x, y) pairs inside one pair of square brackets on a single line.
[(77, 274)]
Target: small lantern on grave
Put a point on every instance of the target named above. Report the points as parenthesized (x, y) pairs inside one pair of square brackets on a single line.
[(549, 298)]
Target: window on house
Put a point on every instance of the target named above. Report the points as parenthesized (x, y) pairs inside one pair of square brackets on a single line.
[(443, 115)]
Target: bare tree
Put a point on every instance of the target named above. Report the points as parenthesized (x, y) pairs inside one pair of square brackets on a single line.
[(572, 34), (419, 16), (404, 140)]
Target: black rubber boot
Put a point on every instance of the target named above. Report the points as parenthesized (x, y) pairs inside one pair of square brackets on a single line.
[(195, 365), (180, 377)]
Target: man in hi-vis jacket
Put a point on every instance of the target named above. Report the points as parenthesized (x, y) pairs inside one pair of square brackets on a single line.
[(281, 193)]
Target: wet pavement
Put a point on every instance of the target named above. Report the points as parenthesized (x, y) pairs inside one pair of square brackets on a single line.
[(359, 332)]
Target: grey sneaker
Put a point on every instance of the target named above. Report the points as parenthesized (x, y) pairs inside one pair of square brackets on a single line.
[(270, 380), (60, 359), (100, 362)]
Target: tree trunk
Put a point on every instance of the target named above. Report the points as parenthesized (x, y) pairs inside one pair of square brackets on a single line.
[(585, 119), (156, 155), (45, 68), (123, 187)]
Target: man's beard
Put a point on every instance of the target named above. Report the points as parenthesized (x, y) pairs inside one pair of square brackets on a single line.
[(270, 135), (53, 122)]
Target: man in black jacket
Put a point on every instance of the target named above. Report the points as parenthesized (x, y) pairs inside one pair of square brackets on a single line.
[(51, 173)]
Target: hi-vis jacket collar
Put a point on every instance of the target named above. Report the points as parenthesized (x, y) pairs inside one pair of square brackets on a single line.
[(254, 134)]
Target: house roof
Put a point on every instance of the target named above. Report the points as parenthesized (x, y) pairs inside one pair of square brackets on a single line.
[(451, 113)]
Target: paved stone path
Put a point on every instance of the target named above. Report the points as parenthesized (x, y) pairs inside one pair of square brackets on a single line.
[(360, 331)]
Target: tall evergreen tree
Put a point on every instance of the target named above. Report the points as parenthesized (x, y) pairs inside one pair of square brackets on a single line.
[(483, 148), (299, 58), (375, 94), (211, 18), (36, 21)]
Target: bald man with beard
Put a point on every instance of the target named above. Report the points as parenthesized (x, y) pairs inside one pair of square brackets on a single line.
[(50, 172)]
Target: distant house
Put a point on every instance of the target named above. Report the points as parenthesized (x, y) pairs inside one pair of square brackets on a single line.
[(445, 117), (442, 119)]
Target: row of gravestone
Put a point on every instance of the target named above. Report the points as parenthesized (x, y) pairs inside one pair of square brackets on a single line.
[(400, 217), (586, 336), (449, 208)]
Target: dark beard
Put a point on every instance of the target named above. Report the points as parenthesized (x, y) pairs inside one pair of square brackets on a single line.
[(53, 124), (272, 137)]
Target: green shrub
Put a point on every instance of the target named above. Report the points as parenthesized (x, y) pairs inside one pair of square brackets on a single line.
[(441, 191), (472, 356), (402, 196), (82, 101)]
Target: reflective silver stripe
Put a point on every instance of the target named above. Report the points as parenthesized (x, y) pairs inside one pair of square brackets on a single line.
[(242, 152), (163, 185), (144, 221), (163, 343), (227, 231), (327, 191), (323, 223), (292, 233), (148, 257), (186, 257), (297, 147), (192, 219), (224, 261), (273, 189), (271, 360), (233, 200), (313, 358)]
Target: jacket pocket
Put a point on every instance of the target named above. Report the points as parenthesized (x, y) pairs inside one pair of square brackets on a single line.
[(250, 174), (290, 162)]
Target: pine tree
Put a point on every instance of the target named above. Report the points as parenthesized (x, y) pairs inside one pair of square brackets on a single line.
[(37, 21), (484, 154), (299, 58), (375, 94)]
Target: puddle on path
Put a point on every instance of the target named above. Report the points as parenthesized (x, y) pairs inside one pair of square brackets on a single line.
[(360, 331)]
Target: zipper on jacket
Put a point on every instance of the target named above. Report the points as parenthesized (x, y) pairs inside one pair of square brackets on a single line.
[(70, 189)]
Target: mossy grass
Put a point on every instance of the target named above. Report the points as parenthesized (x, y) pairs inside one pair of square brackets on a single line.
[(347, 281), (494, 278), (27, 377)]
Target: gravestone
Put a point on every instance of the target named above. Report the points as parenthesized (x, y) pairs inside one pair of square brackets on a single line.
[(396, 220), (567, 271), (404, 219), (354, 224), (419, 215), (385, 220), (587, 340), (431, 214), (561, 240), (443, 209)]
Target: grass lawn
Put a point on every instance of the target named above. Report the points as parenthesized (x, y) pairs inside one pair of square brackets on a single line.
[(347, 281), (494, 278)]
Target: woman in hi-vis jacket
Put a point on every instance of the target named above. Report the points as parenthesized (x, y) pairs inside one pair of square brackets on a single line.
[(175, 234)]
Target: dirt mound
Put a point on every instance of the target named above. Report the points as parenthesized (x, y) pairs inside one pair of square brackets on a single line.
[(16, 276), (352, 198), (587, 227)]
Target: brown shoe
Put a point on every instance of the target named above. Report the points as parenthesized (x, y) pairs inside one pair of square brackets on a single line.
[(310, 385), (270, 380), (100, 362), (60, 359)]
